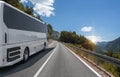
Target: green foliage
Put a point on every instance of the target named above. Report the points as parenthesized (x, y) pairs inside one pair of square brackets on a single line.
[(38, 17), (16, 4), (112, 69), (73, 38), (69, 37), (112, 54), (29, 10), (89, 45), (109, 67), (12, 2), (21, 7), (50, 31), (114, 45)]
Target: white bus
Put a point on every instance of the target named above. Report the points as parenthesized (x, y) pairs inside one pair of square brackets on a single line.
[(21, 35)]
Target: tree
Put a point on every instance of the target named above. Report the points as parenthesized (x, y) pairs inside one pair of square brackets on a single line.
[(12, 2), (73, 38), (74, 32), (50, 31), (89, 45), (16, 4), (69, 37), (38, 17), (29, 10), (82, 40)]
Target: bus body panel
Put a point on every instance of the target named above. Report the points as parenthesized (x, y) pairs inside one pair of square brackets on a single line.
[(17, 34), (32, 46), (33, 40), (1, 34), (1, 56), (21, 36), (1, 21)]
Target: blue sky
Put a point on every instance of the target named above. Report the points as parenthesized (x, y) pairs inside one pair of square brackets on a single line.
[(98, 20)]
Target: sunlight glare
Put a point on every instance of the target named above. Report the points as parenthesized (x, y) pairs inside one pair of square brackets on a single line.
[(94, 39)]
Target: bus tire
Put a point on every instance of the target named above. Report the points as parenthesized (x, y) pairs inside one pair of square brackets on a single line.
[(44, 45), (26, 54)]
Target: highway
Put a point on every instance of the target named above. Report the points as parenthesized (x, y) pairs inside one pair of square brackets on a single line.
[(56, 61)]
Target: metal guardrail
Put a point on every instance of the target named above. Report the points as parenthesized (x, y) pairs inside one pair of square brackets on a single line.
[(103, 57)]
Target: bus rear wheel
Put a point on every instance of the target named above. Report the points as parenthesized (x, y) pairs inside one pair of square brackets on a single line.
[(44, 46), (26, 55)]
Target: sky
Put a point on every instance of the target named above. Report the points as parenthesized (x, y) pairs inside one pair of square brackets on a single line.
[(98, 20)]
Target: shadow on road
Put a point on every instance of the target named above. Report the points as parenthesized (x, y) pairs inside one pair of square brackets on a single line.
[(6, 71)]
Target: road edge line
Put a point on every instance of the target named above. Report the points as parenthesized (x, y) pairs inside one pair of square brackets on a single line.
[(83, 62), (41, 68)]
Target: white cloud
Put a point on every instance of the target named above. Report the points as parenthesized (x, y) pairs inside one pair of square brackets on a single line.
[(95, 39), (86, 29), (24, 1), (42, 7)]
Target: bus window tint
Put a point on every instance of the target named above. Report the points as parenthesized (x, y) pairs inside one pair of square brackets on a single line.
[(16, 20)]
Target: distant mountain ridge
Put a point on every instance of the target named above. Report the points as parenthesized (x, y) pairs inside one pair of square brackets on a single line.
[(101, 46), (55, 35), (113, 46)]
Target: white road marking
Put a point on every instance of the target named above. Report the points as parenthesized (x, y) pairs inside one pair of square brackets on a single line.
[(41, 68), (84, 62)]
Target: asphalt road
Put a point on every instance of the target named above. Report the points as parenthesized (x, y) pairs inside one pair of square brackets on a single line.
[(56, 61)]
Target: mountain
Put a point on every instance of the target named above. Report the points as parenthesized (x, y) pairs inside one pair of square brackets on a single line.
[(55, 35), (114, 45), (101, 46)]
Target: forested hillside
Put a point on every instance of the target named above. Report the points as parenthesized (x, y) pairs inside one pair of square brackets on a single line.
[(78, 40), (114, 45)]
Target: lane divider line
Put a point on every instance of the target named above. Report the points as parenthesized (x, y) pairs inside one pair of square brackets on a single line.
[(83, 62), (41, 68)]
